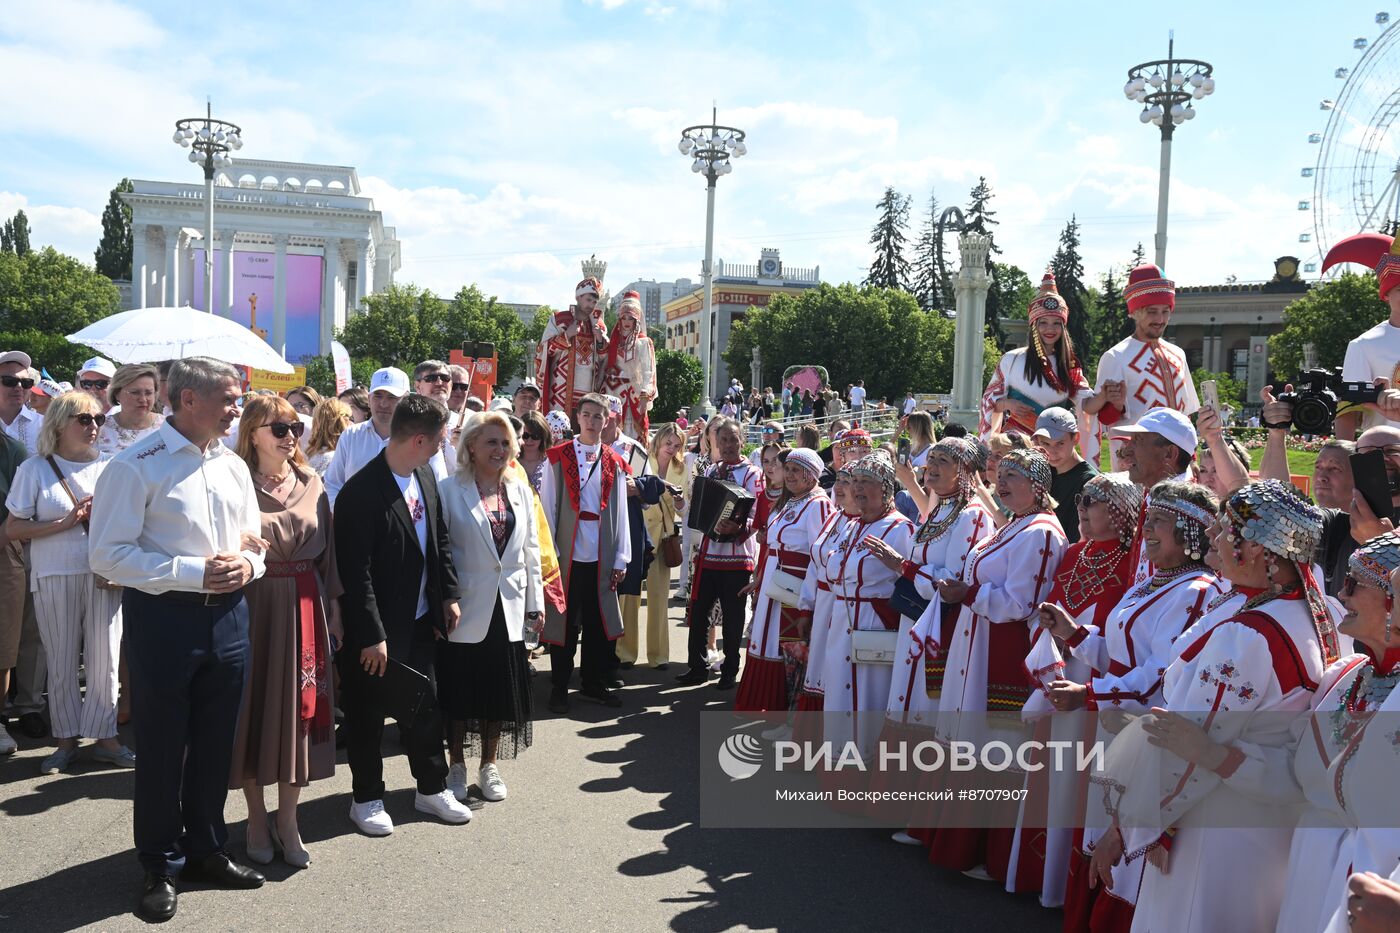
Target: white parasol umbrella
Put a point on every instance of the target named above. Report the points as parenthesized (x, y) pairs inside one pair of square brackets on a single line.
[(149, 335)]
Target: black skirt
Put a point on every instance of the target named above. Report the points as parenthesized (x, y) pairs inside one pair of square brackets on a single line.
[(487, 686)]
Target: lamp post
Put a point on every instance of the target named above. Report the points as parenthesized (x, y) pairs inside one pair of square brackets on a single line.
[(209, 141), (711, 146), (1166, 88)]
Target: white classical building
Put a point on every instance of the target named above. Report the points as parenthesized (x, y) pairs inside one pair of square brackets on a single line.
[(301, 233)]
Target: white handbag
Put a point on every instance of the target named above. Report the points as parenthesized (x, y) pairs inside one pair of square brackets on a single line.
[(784, 588), (875, 646)]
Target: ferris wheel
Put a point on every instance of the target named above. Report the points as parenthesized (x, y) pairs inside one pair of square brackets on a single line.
[(1356, 179)]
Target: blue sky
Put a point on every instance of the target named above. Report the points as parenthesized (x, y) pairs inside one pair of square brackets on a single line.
[(508, 140)]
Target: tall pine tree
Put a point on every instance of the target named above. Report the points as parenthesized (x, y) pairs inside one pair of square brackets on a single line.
[(932, 283), (890, 269), (7, 239), (981, 218), (1068, 267), (113, 256), (1139, 256), (1110, 317), (19, 233)]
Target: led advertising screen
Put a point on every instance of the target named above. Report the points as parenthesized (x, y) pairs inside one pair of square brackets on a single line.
[(253, 290)]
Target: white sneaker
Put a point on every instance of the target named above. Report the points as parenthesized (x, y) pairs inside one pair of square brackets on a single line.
[(979, 873), (457, 781), (7, 744), (369, 817), (443, 806), (779, 733), (489, 780), (715, 659)]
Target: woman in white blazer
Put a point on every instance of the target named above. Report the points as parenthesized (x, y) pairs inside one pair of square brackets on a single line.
[(483, 683)]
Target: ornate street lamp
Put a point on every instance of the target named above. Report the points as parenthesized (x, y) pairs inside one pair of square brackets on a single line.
[(711, 147), (210, 141), (1166, 89)]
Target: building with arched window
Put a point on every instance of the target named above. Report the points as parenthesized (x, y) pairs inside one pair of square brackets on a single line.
[(296, 247)]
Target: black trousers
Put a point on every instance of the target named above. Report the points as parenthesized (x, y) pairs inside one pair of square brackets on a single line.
[(188, 666), (724, 586), (583, 621), (362, 701)]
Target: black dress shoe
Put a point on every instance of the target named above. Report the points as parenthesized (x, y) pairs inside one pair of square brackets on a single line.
[(627, 665), (220, 870), (601, 695), (693, 678), (158, 898), (614, 683), (558, 702), (726, 682), (32, 725)]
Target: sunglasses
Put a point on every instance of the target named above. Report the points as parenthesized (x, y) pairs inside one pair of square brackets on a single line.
[(1088, 497), (281, 429), (533, 437), (10, 382), (94, 383), (436, 377), (461, 387), (88, 421)]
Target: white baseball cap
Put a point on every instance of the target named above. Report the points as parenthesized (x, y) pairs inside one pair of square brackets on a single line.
[(1168, 422), (16, 356), (391, 379), (98, 365)]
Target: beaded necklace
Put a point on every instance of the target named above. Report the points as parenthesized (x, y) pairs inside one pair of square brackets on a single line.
[(1090, 575), (1162, 577), (932, 530), (496, 516)]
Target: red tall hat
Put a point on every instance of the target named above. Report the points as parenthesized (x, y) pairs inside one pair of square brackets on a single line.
[(1380, 252), (1048, 303), (1147, 286)]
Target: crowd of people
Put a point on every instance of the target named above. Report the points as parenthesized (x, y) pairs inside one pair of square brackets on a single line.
[(238, 573)]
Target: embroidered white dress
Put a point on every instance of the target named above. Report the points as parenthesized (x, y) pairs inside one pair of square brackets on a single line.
[(818, 598)]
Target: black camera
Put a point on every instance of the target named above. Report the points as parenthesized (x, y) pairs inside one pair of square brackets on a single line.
[(1316, 394)]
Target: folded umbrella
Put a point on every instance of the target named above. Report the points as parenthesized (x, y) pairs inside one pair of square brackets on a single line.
[(149, 335)]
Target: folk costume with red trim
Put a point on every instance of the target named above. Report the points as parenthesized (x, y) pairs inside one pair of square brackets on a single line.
[(570, 352), (629, 368)]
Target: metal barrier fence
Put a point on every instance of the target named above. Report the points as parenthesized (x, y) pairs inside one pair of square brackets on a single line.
[(883, 425)]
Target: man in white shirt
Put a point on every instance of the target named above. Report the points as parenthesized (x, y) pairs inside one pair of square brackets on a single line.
[(909, 404), (584, 493), (31, 669), (858, 401), (1375, 353), (175, 520), (433, 378), (1144, 371), (361, 443), (94, 377), (18, 420)]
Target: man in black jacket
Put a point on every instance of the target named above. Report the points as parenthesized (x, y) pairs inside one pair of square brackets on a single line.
[(395, 565)]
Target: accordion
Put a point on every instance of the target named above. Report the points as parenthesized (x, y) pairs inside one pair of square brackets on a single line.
[(714, 500)]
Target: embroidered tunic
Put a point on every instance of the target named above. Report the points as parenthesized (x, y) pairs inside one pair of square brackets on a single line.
[(819, 599), (1152, 377), (790, 544), (1010, 381)]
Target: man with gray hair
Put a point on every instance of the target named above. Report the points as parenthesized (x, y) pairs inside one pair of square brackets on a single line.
[(175, 520)]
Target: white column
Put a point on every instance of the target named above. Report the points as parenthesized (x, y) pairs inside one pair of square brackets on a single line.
[(223, 288), (969, 345), (328, 285), (138, 265), (172, 267), (362, 271), (279, 294), (183, 294)]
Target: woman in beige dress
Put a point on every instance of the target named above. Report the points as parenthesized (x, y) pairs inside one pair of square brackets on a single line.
[(286, 732)]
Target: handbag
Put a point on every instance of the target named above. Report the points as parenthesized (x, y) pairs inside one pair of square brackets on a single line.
[(874, 646), (783, 587), (671, 550), (906, 599), (102, 582)]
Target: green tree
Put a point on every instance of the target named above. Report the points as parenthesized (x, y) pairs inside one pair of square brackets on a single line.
[(679, 382), (1068, 267), (1327, 317), (472, 316), (534, 331), (1139, 256), (933, 290), (391, 326), (890, 268), (658, 337), (19, 233), (1230, 389), (1108, 316), (113, 254), (45, 295), (1013, 289)]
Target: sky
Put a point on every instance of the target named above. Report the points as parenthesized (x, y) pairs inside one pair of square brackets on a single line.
[(506, 141)]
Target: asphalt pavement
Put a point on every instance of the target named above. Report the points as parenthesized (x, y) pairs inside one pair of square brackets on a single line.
[(599, 833)]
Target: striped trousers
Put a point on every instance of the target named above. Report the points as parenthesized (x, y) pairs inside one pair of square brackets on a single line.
[(79, 622)]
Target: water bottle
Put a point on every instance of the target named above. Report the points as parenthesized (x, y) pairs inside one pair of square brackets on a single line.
[(534, 624)]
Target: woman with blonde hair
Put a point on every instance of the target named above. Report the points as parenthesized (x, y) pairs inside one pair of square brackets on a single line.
[(135, 413), (483, 682), (286, 727), (331, 418), (79, 619), (668, 462)]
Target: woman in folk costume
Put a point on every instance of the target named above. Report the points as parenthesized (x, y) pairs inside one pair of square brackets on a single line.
[(862, 586), (779, 632), (571, 348), (629, 367), (1093, 577), (1044, 375), (1216, 850), (1129, 652), (936, 552), (1004, 581)]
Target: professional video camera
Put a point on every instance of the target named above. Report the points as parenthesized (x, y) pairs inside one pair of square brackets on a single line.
[(1316, 394)]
